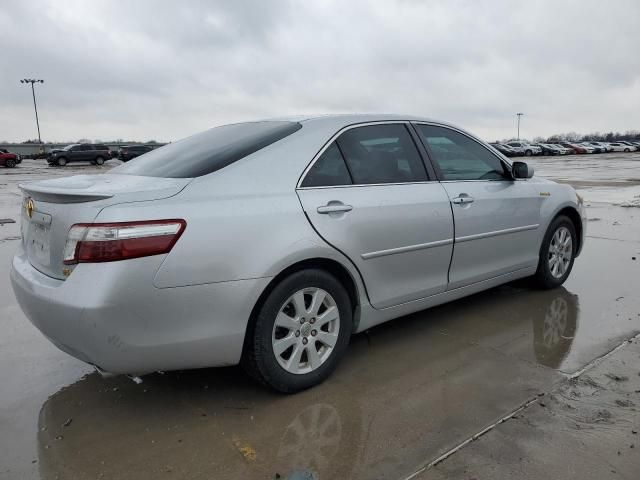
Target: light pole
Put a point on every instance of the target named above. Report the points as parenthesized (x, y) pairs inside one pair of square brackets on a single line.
[(33, 92), (519, 115)]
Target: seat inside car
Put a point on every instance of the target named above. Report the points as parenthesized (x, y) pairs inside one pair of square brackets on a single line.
[(382, 167)]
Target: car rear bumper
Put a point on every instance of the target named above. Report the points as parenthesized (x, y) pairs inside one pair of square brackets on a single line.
[(110, 315)]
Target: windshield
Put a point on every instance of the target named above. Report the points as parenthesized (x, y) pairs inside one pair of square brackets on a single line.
[(208, 151)]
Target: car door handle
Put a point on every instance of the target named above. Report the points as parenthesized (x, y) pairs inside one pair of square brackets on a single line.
[(462, 199), (334, 208)]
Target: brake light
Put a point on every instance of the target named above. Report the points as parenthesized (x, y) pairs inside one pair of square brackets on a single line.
[(109, 242)]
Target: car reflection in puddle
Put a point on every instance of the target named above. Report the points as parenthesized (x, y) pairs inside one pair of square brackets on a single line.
[(553, 334), (402, 395)]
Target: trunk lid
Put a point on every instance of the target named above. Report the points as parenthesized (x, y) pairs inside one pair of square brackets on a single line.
[(51, 207)]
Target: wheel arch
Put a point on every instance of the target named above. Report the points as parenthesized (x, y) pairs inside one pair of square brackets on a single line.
[(332, 266), (576, 219)]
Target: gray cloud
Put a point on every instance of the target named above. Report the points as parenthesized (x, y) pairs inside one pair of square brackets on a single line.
[(163, 70)]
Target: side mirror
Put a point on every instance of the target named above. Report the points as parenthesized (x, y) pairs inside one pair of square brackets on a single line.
[(521, 170)]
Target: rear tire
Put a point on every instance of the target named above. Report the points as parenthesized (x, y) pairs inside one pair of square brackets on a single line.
[(299, 304), (528, 153), (61, 161), (99, 161), (626, 150), (557, 254)]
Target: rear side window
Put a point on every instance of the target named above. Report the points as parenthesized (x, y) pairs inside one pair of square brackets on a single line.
[(329, 170), (381, 154), (208, 151)]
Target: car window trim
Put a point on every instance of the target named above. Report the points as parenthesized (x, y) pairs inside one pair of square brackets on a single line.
[(431, 178), (435, 165)]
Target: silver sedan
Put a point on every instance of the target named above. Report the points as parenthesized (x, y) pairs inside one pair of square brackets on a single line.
[(270, 243)]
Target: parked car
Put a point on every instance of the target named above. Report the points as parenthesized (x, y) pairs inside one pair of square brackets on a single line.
[(525, 148), (607, 147), (597, 147), (170, 258), (631, 146), (79, 152), (132, 151), (575, 147), (17, 155), (506, 150), (620, 147), (562, 149), (588, 147), (548, 149), (8, 159)]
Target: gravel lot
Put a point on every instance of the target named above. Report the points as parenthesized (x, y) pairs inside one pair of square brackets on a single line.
[(549, 381)]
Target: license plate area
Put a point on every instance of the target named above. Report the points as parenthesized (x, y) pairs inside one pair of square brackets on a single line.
[(37, 241)]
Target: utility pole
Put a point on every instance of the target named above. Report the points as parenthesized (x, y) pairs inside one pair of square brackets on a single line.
[(519, 115), (35, 107)]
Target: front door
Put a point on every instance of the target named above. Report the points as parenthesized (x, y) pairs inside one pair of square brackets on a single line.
[(368, 195), (496, 217)]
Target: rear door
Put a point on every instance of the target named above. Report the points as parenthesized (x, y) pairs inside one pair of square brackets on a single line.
[(496, 218), (369, 196)]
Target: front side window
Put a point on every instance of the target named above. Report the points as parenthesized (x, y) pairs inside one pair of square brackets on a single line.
[(381, 154), (459, 157), (208, 151)]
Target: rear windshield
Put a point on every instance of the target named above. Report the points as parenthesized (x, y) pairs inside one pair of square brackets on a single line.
[(208, 151)]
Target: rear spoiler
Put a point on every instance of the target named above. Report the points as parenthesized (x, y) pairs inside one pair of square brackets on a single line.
[(61, 195)]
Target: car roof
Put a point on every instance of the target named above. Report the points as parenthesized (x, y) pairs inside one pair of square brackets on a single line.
[(295, 152), (344, 119)]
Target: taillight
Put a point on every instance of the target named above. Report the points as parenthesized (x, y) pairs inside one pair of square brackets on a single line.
[(109, 242)]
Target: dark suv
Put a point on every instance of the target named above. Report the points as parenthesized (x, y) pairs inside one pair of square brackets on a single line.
[(132, 151), (80, 152)]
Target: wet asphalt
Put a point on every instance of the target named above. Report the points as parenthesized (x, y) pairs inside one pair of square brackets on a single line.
[(407, 392)]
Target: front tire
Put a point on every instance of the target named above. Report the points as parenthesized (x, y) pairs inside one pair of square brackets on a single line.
[(557, 253), (61, 162), (301, 332), (528, 153), (10, 163), (99, 161)]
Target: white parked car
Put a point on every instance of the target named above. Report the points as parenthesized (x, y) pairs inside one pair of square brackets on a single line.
[(621, 147), (632, 147), (525, 149)]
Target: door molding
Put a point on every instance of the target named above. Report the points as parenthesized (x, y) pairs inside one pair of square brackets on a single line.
[(495, 233), (408, 248)]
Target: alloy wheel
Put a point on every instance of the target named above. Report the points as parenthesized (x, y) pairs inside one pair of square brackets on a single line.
[(560, 252), (306, 330)]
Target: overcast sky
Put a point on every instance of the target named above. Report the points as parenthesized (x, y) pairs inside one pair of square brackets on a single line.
[(163, 70)]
